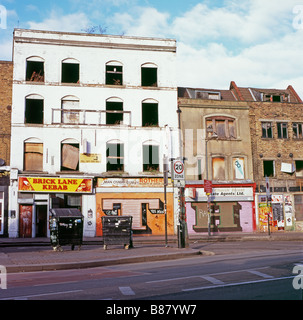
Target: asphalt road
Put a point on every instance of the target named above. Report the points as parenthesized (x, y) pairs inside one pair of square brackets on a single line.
[(249, 270)]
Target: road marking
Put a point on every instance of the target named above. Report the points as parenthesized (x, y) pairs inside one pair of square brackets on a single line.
[(236, 284), (127, 291), (212, 280), (261, 274), (39, 295)]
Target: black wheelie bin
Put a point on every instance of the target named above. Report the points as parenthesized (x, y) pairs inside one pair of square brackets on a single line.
[(66, 228), (117, 230)]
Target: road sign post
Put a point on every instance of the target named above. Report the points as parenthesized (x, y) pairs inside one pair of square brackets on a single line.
[(208, 188)]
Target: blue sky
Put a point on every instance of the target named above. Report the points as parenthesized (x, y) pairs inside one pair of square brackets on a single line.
[(256, 43)]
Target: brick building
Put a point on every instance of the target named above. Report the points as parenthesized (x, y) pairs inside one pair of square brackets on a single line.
[(6, 79), (276, 125)]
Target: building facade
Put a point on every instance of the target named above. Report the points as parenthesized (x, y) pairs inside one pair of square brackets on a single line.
[(217, 147), (93, 116), (6, 81), (276, 121)]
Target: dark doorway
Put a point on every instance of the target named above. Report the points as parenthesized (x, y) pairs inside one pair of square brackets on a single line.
[(41, 220)]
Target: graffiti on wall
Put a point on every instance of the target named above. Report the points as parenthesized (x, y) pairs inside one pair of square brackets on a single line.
[(147, 211)]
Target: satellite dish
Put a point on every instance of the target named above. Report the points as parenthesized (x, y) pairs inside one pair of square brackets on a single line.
[(2, 162)]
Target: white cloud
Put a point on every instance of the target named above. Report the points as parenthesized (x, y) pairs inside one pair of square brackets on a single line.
[(143, 22), (74, 22)]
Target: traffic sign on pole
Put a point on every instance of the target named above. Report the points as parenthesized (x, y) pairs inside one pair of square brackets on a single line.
[(178, 170)]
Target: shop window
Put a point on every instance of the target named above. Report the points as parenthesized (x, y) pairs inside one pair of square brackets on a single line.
[(238, 166), (299, 168), (268, 168), (297, 130), (34, 106), (114, 157), (150, 158), (222, 127), (70, 71), (33, 156), (114, 112), (150, 116), (114, 74), (267, 131), (34, 70), (218, 168), (70, 156), (149, 75), (282, 130)]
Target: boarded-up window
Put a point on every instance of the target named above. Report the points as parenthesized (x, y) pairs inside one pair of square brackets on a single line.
[(70, 157), (70, 111), (33, 156), (218, 168), (222, 127)]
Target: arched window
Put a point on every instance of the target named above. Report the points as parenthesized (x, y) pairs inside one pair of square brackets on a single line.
[(150, 156), (114, 73), (149, 75), (114, 111), (34, 109), (150, 114), (70, 110), (114, 155), (35, 69), (70, 71)]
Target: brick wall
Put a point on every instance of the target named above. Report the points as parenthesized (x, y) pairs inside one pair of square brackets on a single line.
[(275, 149), (6, 80)]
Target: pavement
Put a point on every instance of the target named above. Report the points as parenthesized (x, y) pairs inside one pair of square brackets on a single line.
[(37, 254)]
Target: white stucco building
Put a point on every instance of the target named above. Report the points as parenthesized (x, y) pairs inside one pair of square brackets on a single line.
[(92, 117)]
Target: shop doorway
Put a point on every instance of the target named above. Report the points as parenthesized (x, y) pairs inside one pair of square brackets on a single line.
[(41, 220)]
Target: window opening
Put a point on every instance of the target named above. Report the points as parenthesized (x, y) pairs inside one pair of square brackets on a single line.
[(297, 130), (268, 168), (267, 131), (149, 77), (282, 130), (69, 157), (34, 111), (150, 158), (35, 71), (33, 156), (70, 73), (114, 75), (299, 168), (114, 117), (150, 114), (114, 157)]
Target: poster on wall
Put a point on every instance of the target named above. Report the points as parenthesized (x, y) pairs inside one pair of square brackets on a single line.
[(264, 211)]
